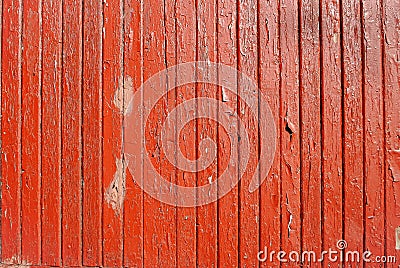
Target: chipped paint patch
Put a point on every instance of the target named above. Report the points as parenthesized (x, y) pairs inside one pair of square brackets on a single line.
[(115, 194), (124, 95), (398, 238), (394, 164), (225, 97), (11, 262)]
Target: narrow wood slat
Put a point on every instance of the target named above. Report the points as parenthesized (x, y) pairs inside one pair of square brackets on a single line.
[(353, 125), (92, 133), (331, 95), (290, 128), (133, 67), (228, 206), (159, 222), (186, 52), (51, 133), (248, 60), (373, 129), (31, 132), (310, 125), (113, 163), (269, 85), (207, 215), (11, 131), (71, 169), (392, 122)]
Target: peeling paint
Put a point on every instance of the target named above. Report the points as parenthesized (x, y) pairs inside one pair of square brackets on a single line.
[(225, 97), (394, 164), (115, 194), (398, 238), (124, 95)]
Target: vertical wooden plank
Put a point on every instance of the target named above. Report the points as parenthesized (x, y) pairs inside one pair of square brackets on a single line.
[(290, 127), (207, 214), (1, 105), (353, 125), (186, 52), (51, 132), (133, 67), (249, 202), (11, 131), (31, 114), (391, 18), (92, 133), (228, 206), (331, 94), (310, 116), (71, 170), (269, 83), (373, 128), (113, 163), (159, 219)]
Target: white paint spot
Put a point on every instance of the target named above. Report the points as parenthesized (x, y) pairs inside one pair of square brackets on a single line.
[(225, 97), (124, 95), (398, 238), (115, 194)]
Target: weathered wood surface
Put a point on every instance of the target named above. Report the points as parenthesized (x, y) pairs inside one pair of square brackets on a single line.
[(330, 72)]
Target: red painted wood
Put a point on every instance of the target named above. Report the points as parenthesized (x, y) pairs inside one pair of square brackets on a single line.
[(328, 69), (392, 122), (374, 187), (31, 132), (290, 128), (92, 133), (113, 164), (186, 225), (71, 126), (353, 126), (310, 127), (331, 96), (207, 215), (133, 66), (159, 220), (11, 132), (248, 60), (228, 206), (51, 132), (269, 84)]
